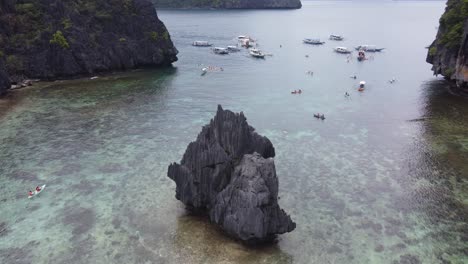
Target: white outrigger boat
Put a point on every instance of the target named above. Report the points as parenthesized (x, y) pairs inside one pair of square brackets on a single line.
[(257, 53), (313, 41), (221, 51), (342, 50), (336, 37), (200, 43), (37, 192), (233, 48), (369, 48)]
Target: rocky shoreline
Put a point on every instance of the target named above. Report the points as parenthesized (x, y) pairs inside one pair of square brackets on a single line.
[(449, 52), (52, 40)]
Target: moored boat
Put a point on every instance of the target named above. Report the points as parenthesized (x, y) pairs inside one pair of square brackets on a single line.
[(200, 43), (221, 51), (342, 50), (369, 48), (243, 37), (232, 48), (256, 53), (313, 41), (336, 37)]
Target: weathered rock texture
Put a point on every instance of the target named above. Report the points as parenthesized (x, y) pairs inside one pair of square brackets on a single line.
[(449, 52), (230, 4), (229, 173), (50, 39)]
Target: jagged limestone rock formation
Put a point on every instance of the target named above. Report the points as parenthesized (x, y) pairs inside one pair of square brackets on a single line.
[(229, 173)]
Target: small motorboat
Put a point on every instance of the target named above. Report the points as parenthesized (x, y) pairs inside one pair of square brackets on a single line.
[(336, 37), (200, 43), (361, 55), (256, 53), (244, 37), (362, 84), (221, 51), (296, 91), (319, 116), (246, 43), (37, 192), (232, 48), (369, 48), (313, 41), (342, 50)]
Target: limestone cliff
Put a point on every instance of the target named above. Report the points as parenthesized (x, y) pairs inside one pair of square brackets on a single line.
[(50, 39), (449, 52), (229, 4), (229, 173)]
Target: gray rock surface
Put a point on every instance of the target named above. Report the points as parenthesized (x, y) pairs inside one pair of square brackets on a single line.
[(4, 79), (248, 207), (229, 173)]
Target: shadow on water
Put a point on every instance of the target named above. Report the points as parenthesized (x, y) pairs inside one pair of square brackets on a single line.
[(200, 241), (436, 183)]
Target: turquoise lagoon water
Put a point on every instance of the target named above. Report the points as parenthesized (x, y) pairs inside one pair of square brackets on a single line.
[(382, 180)]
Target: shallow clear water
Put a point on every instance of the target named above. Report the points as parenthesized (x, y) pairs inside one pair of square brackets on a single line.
[(384, 178)]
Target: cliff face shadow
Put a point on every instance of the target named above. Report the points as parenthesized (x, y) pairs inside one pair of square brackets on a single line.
[(437, 173)]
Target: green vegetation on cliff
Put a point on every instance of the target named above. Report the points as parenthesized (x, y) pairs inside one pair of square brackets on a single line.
[(59, 39), (448, 54), (51, 39), (452, 23)]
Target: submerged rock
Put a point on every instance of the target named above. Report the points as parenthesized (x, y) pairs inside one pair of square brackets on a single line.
[(229, 173)]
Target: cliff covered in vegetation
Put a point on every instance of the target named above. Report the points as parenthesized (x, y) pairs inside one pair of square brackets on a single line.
[(229, 4), (449, 52), (50, 39)]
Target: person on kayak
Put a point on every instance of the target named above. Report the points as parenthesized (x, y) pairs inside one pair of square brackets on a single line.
[(30, 193), (38, 189)]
